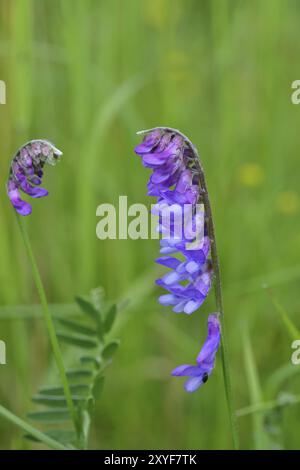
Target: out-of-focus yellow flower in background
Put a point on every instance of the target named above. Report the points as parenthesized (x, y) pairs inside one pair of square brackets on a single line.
[(288, 202), (251, 174), (155, 13), (161, 13)]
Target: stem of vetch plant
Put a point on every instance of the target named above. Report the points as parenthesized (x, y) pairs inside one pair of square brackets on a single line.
[(50, 325)]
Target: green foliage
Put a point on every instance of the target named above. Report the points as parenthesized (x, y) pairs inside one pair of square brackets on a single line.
[(219, 70), (110, 350), (50, 416), (86, 381), (255, 393)]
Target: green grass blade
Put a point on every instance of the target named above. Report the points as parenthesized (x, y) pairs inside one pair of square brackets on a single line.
[(42, 437), (279, 378), (269, 405), (291, 329), (255, 392)]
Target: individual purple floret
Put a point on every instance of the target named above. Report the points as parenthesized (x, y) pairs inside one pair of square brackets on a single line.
[(26, 171), (176, 184), (198, 374), (186, 298)]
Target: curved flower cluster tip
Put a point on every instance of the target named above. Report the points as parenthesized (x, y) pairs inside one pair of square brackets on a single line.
[(26, 172), (176, 183)]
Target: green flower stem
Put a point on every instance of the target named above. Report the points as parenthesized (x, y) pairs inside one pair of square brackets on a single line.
[(31, 430), (220, 307), (217, 284), (50, 325)]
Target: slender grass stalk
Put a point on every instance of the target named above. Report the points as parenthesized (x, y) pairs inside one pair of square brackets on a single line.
[(50, 325), (53, 444), (217, 283), (260, 438)]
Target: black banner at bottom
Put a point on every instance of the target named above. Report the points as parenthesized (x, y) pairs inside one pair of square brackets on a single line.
[(139, 458)]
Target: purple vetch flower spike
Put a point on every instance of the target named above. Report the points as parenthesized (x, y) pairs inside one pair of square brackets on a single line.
[(198, 374), (175, 182), (26, 171)]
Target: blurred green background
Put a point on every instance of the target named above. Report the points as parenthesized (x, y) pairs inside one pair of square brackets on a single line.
[(87, 74)]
